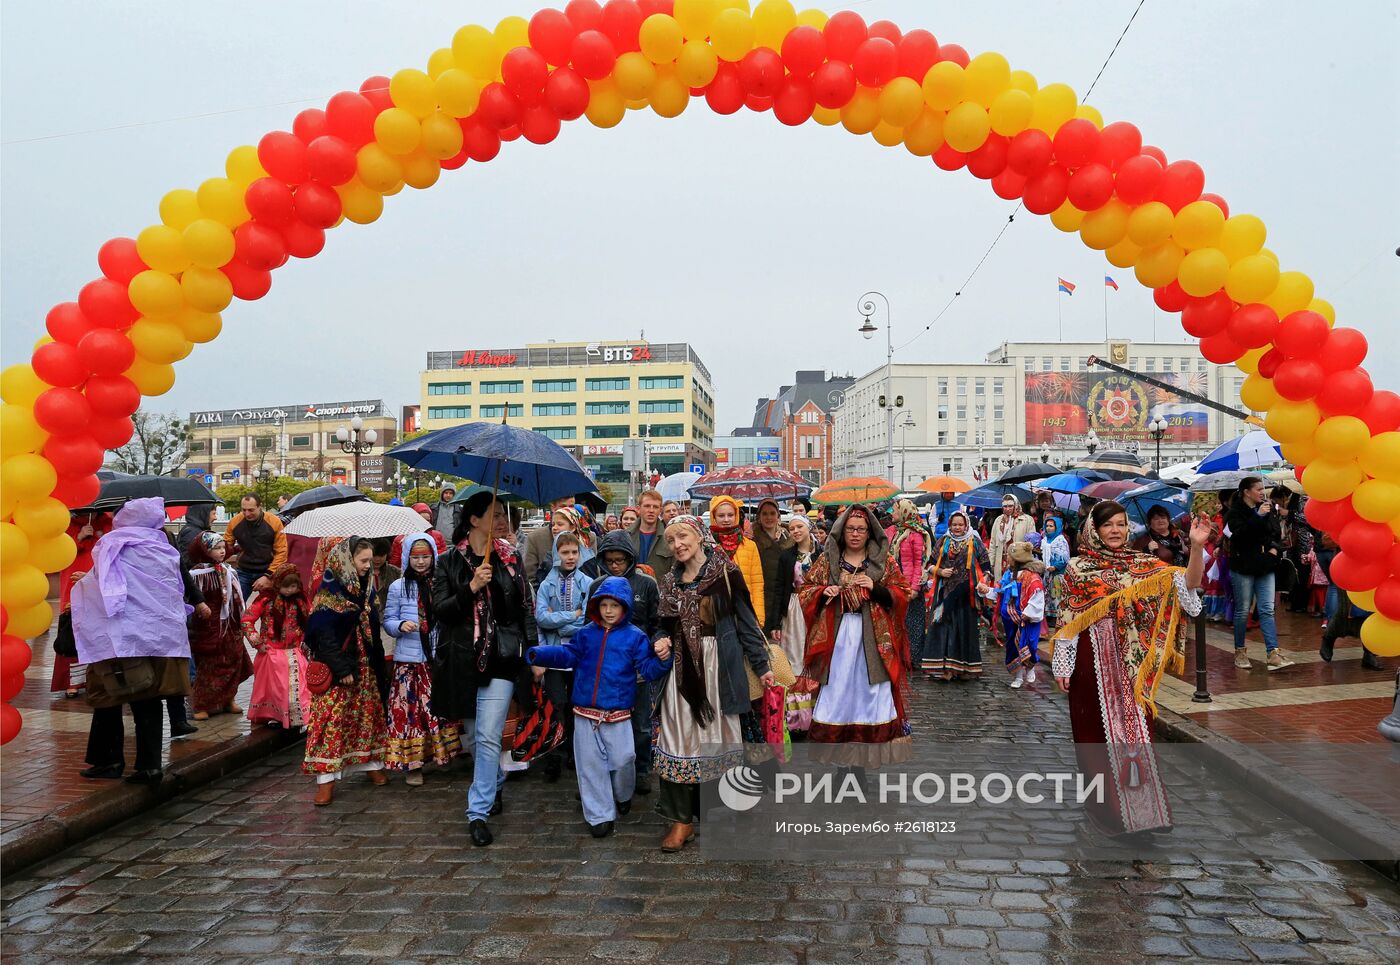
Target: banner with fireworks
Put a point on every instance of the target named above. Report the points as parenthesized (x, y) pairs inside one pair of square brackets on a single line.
[(1066, 405)]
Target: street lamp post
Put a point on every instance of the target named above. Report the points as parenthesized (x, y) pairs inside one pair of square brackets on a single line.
[(350, 443), (1157, 428), (1045, 452), (888, 401), (904, 428), (1091, 441), (1010, 457)]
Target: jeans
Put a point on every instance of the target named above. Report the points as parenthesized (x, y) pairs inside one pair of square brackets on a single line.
[(1333, 601), (246, 581), (107, 735), (492, 705), (603, 756), (1260, 591)]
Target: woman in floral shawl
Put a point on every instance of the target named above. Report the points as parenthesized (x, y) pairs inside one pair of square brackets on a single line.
[(275, 626), (221, 661), (960, 568), (854, 601), (1120, 631), (346, 731)]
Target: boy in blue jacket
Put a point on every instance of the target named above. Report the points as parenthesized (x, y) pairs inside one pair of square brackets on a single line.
[(560, 605), (606, 657)]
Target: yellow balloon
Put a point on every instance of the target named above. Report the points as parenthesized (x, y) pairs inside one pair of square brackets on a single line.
[(200, 326), (398, 131), (1104, 228), (221, 200), (1125, 254), (54, 554), (966, 127), (1323, 308), (361, 204), (1258, 393), (1248, 363), (1381, 457), (413, 91), (1252, 278), (986, 76), (41, 518), (772, 20), (1150, 224), (206, 289), (1366, 599), (20, 386), (512, 32), (901, 100), (1023, 80), (1011, 112), (1158, 265), (209, 243), (1377, 500), (695, 18), (1381, 635), (377, 168), (158, 341), (1269, 254), (862, 113), (476, 52), (670, 95), (887, 134), (697, 64), (635, 75), (442, 136), (1293, 293), (732, 35), (14, 545), (1198, 225), (1203, 271), (440, 61), (163, 248), (924, 134), (420, 171), (150, 377), (1067, 218), (637, 105), (831, 116), (242, 165), (606, 106), (661, 38), (31, 622), (457, 91), (1241, 235), (944, 85), (1090, 114), (1328, 480), (155, 293), (1341, 437), (19, 432), (1053, 105), (812, 18), (1292, 421), (1299, 453), (177, 209), (23, 586)]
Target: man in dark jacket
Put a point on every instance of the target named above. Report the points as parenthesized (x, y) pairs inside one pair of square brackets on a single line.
[(617, 558), (1255, 545), (648, 539)]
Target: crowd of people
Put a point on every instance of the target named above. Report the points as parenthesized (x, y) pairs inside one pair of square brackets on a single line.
[(660, 644)]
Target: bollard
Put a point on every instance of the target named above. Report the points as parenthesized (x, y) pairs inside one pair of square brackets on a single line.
[(1202, 694)]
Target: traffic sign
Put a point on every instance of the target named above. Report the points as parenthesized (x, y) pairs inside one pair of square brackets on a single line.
[(237, 473), (208, 480), (698, 467)]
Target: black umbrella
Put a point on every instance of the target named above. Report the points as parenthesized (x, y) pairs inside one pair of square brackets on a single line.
[(119, 487), (332, 495), (1027, 471)]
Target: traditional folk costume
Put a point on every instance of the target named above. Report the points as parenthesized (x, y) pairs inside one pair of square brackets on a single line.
[(275, 626), (346, 730), (1054, 553), (1021, 606), (801, 696), (952, 648), (216, 641), (909, 545), (1121, 631), (857, 651)]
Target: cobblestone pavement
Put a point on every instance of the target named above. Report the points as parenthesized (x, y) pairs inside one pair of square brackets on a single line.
[(247, 869)]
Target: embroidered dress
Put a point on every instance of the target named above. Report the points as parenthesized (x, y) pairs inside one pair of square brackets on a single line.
[(953, 646), (276, 627), (216, 641), (416, 734), (1021, 608), (801, 696)]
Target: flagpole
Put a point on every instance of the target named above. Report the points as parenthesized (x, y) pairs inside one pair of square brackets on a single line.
[(1059, 310), (1105, 311)]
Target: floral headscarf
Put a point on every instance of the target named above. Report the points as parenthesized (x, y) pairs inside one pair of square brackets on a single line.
[(728, 537), (907, 523)]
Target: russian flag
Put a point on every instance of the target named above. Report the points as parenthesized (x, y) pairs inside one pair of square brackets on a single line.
[(1066, 286), (1109, 282)]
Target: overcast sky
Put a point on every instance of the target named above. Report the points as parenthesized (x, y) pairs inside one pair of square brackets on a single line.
[(750, 240)]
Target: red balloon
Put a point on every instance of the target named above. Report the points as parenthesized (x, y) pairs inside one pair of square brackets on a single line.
[(1009, 185), (877, 61), (59, 363), (106, 351), (844, 34), (1155, 152), (725, 95), (1046, 189), (310, 124), (1329, 517), (1302, 334), (105, 303), (258, 246), (497, 106), (804, 50), (1075, 143), (112, 396), (622, 22), (249, 284), (63, 412), (886, 30), (1138, 179), (951, 160), (1221, 348), (1030, 152), (14, 656), (1364, 539), (650, 7), (1388, 598), (955, 53), (1351, 573), (1298, 379), (566, 94), (302, 240), (375, 90), (452, 163), (593, 54), (271, 202), (1170, 298), (1382, 413), (1392, 560), (283, 156), (111, 432), (758, 104), (552, 36), (539, 125), (1253, 326), (1344, 348), (330, 160), (482, 143), (1118, 142), (1269, 362), (1182, 182), (10, 719), (67, 323), (584, 14), (793, 104), (119, 260), (1218, 201), (989, 160), (1346, 392), (1090, 187), (834, 84), (511, 133), (1207, 315), (524, 72), (317, 205), (350, 117), (74, 455), (761, 71), (75, 491), (918, 51)]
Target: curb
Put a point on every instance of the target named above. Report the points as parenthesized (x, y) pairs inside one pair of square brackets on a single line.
[(1351, 826), (73, 823)]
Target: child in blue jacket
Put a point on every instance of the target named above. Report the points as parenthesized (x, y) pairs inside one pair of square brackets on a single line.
[(560, 605), (606, 657)]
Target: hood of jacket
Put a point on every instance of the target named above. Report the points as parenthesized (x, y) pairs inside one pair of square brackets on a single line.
[(584, 553), (198, 517), (877, 545), (614, 588), (618, 542), (413, 539)]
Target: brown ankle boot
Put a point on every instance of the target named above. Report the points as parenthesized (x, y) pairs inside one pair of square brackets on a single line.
[(325, 793), (677, 837), (378, 778)]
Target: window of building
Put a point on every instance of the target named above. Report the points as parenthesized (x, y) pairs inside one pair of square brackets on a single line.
[(1046, 363), (502, 388), (607, 385), (942, 410), (962, 386), (607, 408), (449, 388), (555, 385), (558, 432), (980, 412), (957, 464), (198, 445), (228, 445), (514, 411), (997, 438), (1166, 365), (262, 443), (996, 465), (668, 429), (661, 382), (962, 438), (449, 412), (812, 447), (301, 442), (1064, 363), (942, 437), (943, 385), (981, 387), (1151, 364), (962, 411), (554, 408), (606, 432), (664, 405)]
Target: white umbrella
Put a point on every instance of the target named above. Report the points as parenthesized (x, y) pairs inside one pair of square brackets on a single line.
[(1249, 451), (1181, 472), (357, 519), (676, 487)]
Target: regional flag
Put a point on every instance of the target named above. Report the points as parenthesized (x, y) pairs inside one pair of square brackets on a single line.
[(1109, 282), (1066, 286)]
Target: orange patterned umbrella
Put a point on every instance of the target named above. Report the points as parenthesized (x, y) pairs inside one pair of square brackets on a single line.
[(857, 489), (944, 484)]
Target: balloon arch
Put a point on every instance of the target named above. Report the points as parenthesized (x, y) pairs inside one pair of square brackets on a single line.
[(162, 292)]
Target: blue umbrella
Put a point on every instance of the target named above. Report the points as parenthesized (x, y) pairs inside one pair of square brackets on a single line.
[(1249, 451), (1139, 502), (518, 461), (1072, 482), (988, 495)]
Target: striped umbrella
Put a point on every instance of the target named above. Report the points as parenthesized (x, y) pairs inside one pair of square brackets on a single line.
[(750, 484), (1117, 463), (1249, 451), (856, 489), (943, 484)]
